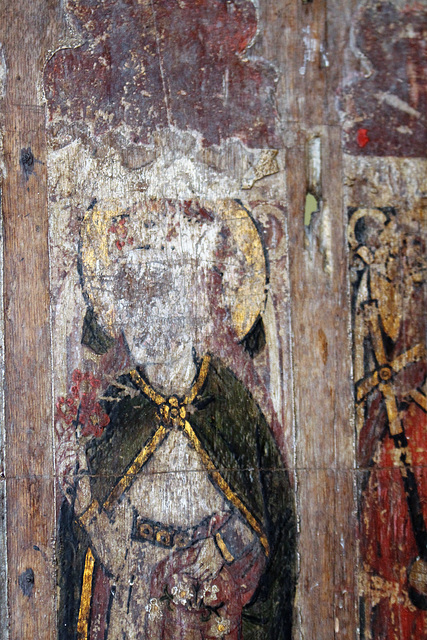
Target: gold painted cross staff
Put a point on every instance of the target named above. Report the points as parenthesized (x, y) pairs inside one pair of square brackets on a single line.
[(383, 379), (383, 376)]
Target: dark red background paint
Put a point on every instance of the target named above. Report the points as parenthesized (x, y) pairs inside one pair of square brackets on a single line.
[(164, 63), (394, 44)]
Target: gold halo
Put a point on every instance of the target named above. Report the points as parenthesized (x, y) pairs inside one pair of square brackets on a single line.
[(246, 302)]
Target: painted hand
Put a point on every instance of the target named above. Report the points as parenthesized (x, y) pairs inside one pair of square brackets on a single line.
[(71, 466), (83, 490), (66, 456)]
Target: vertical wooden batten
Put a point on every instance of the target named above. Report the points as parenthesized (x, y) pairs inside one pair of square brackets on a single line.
[(28, 411), (308, 44), (27, 32)]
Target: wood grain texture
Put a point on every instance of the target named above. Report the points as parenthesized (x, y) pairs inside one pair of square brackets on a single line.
[(27, 30), (295, 38), (311, 54), (29, 469), (309, 44), (306, 365)]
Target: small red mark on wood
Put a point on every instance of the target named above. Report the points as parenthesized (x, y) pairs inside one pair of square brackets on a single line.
[(362, 137), (120, 230)]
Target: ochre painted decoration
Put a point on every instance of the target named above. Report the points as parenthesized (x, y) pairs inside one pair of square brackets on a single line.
[(389, 324)]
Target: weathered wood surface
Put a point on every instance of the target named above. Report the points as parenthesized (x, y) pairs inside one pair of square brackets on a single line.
[(27, 31), (313, 40), (324, 143)]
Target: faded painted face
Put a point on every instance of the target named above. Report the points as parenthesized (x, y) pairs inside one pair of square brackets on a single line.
[(158, 272)]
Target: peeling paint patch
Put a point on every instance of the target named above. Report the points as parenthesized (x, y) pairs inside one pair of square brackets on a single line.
[(2, 73), (397, 103), (311, 47), (267, 165)]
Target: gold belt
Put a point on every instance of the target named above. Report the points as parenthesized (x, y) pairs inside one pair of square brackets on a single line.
[(161, 535)]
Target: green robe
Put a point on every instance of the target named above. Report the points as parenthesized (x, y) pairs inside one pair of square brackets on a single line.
[(234, 433)]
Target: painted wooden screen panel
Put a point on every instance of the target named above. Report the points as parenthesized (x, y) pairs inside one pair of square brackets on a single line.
[(385, 169), (213, 282), (179, 515)]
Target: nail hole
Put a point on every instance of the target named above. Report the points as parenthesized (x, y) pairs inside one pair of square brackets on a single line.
[(26, 582), (26, 161)]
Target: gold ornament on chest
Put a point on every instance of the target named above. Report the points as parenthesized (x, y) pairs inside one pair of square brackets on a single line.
[(172, 413)]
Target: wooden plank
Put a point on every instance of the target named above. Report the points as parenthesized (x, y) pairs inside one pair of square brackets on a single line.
[(3, 563), (309, 44), (311, 55), (322, 392), (28, 411), (27, 33)]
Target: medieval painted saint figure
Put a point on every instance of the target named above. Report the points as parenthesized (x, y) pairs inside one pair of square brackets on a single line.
[(389, 327), (178, 518)]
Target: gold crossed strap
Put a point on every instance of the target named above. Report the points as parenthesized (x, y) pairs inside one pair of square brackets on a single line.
[(383, 376), (172, 412)]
